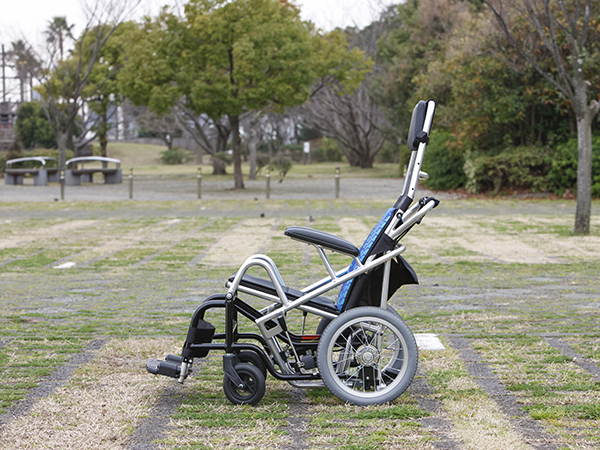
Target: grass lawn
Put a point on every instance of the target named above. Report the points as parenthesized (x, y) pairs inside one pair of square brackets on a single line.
[(145, 160), (507, 282)]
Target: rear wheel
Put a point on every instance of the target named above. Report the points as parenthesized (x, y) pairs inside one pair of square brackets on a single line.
[(252, 391), (367, 356)]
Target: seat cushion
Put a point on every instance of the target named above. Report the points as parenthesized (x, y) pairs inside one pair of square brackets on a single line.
[(267, 287)]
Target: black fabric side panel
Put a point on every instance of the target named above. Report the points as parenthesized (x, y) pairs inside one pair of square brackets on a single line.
[(383, 244), (366, 289), (358, 287), (409, 274)]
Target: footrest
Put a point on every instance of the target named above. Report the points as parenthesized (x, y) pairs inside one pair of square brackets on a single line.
[(166, 368)]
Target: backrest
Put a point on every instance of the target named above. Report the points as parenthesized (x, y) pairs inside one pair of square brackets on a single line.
[(372, 245)]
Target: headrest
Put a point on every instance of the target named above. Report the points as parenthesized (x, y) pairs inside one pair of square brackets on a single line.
[(417, 122)]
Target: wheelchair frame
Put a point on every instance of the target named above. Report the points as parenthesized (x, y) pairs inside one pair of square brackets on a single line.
[(245, 364)]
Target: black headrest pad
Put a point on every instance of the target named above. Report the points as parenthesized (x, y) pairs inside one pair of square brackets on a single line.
[(417, 122)]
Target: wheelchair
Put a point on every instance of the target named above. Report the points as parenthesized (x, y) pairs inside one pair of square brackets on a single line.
[(362, 351)]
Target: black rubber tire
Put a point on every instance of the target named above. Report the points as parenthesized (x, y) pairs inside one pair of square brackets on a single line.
[(254, 388), (323, 324), (326, 321), (371, 373), (251, 357)]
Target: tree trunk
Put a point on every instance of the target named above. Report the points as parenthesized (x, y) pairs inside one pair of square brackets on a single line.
[(116, 123), (219, 166), (102, 134), (22, 81), (584, 173), (126, 121), (237, 154), (70, 143), (62, 150), (252, 154), (366, 163)]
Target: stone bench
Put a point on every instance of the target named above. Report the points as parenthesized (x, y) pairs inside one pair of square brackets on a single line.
[(41, 175), (75, 175)]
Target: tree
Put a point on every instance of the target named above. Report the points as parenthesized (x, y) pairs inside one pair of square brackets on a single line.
[(26, 64), (102, 93), (210, 135), (164, 126), (226, 58), (560, 40), (33, 128), (65, 85), (415, 36), (57, 33), (491, 102), (354, 121)]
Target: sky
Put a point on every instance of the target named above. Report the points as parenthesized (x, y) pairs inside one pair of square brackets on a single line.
[(28, 18)]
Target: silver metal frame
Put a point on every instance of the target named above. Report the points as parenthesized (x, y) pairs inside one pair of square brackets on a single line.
[(398, 226)]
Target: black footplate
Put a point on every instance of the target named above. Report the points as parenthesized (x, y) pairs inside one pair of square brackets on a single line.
[(169, 368)]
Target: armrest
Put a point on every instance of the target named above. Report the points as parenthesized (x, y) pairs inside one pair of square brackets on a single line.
[(325, 240)]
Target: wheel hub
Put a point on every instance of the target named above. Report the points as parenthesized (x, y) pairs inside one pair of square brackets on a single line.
[(367, 355)]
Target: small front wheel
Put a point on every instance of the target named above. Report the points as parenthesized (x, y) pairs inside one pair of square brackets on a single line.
[(367, 356), (254, 385), (253, 358)]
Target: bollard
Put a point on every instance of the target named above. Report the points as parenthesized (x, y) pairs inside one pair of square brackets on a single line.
[(337, 182), (199, 178), (268, 178), (62, 184), (130, 183)]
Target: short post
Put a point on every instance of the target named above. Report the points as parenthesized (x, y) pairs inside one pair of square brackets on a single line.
[(62, 184), (130, 183), (337, 182), (268, 178), (199, 178)]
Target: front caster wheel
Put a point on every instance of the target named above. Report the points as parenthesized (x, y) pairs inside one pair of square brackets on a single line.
[(253, 358), (367, 356), (252, 391)]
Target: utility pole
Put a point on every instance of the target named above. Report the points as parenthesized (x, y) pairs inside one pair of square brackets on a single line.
[(3, 75)]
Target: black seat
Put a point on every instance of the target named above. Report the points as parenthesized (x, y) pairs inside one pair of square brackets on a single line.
[(330, 241), (267, 287)]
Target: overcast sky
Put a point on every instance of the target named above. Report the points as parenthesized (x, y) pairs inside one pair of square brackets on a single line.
[(29, 17)]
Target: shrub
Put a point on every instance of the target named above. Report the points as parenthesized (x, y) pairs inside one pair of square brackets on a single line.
[(282, 164), (294, 151), (220, 161), (563, 174), (327, 151), (389, 153), (517, 168), (174, 156), (262, 160), (33, 127), (444, 163)]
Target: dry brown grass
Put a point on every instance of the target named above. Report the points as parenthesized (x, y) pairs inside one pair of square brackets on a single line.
[(101, 405), (479, 424)]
